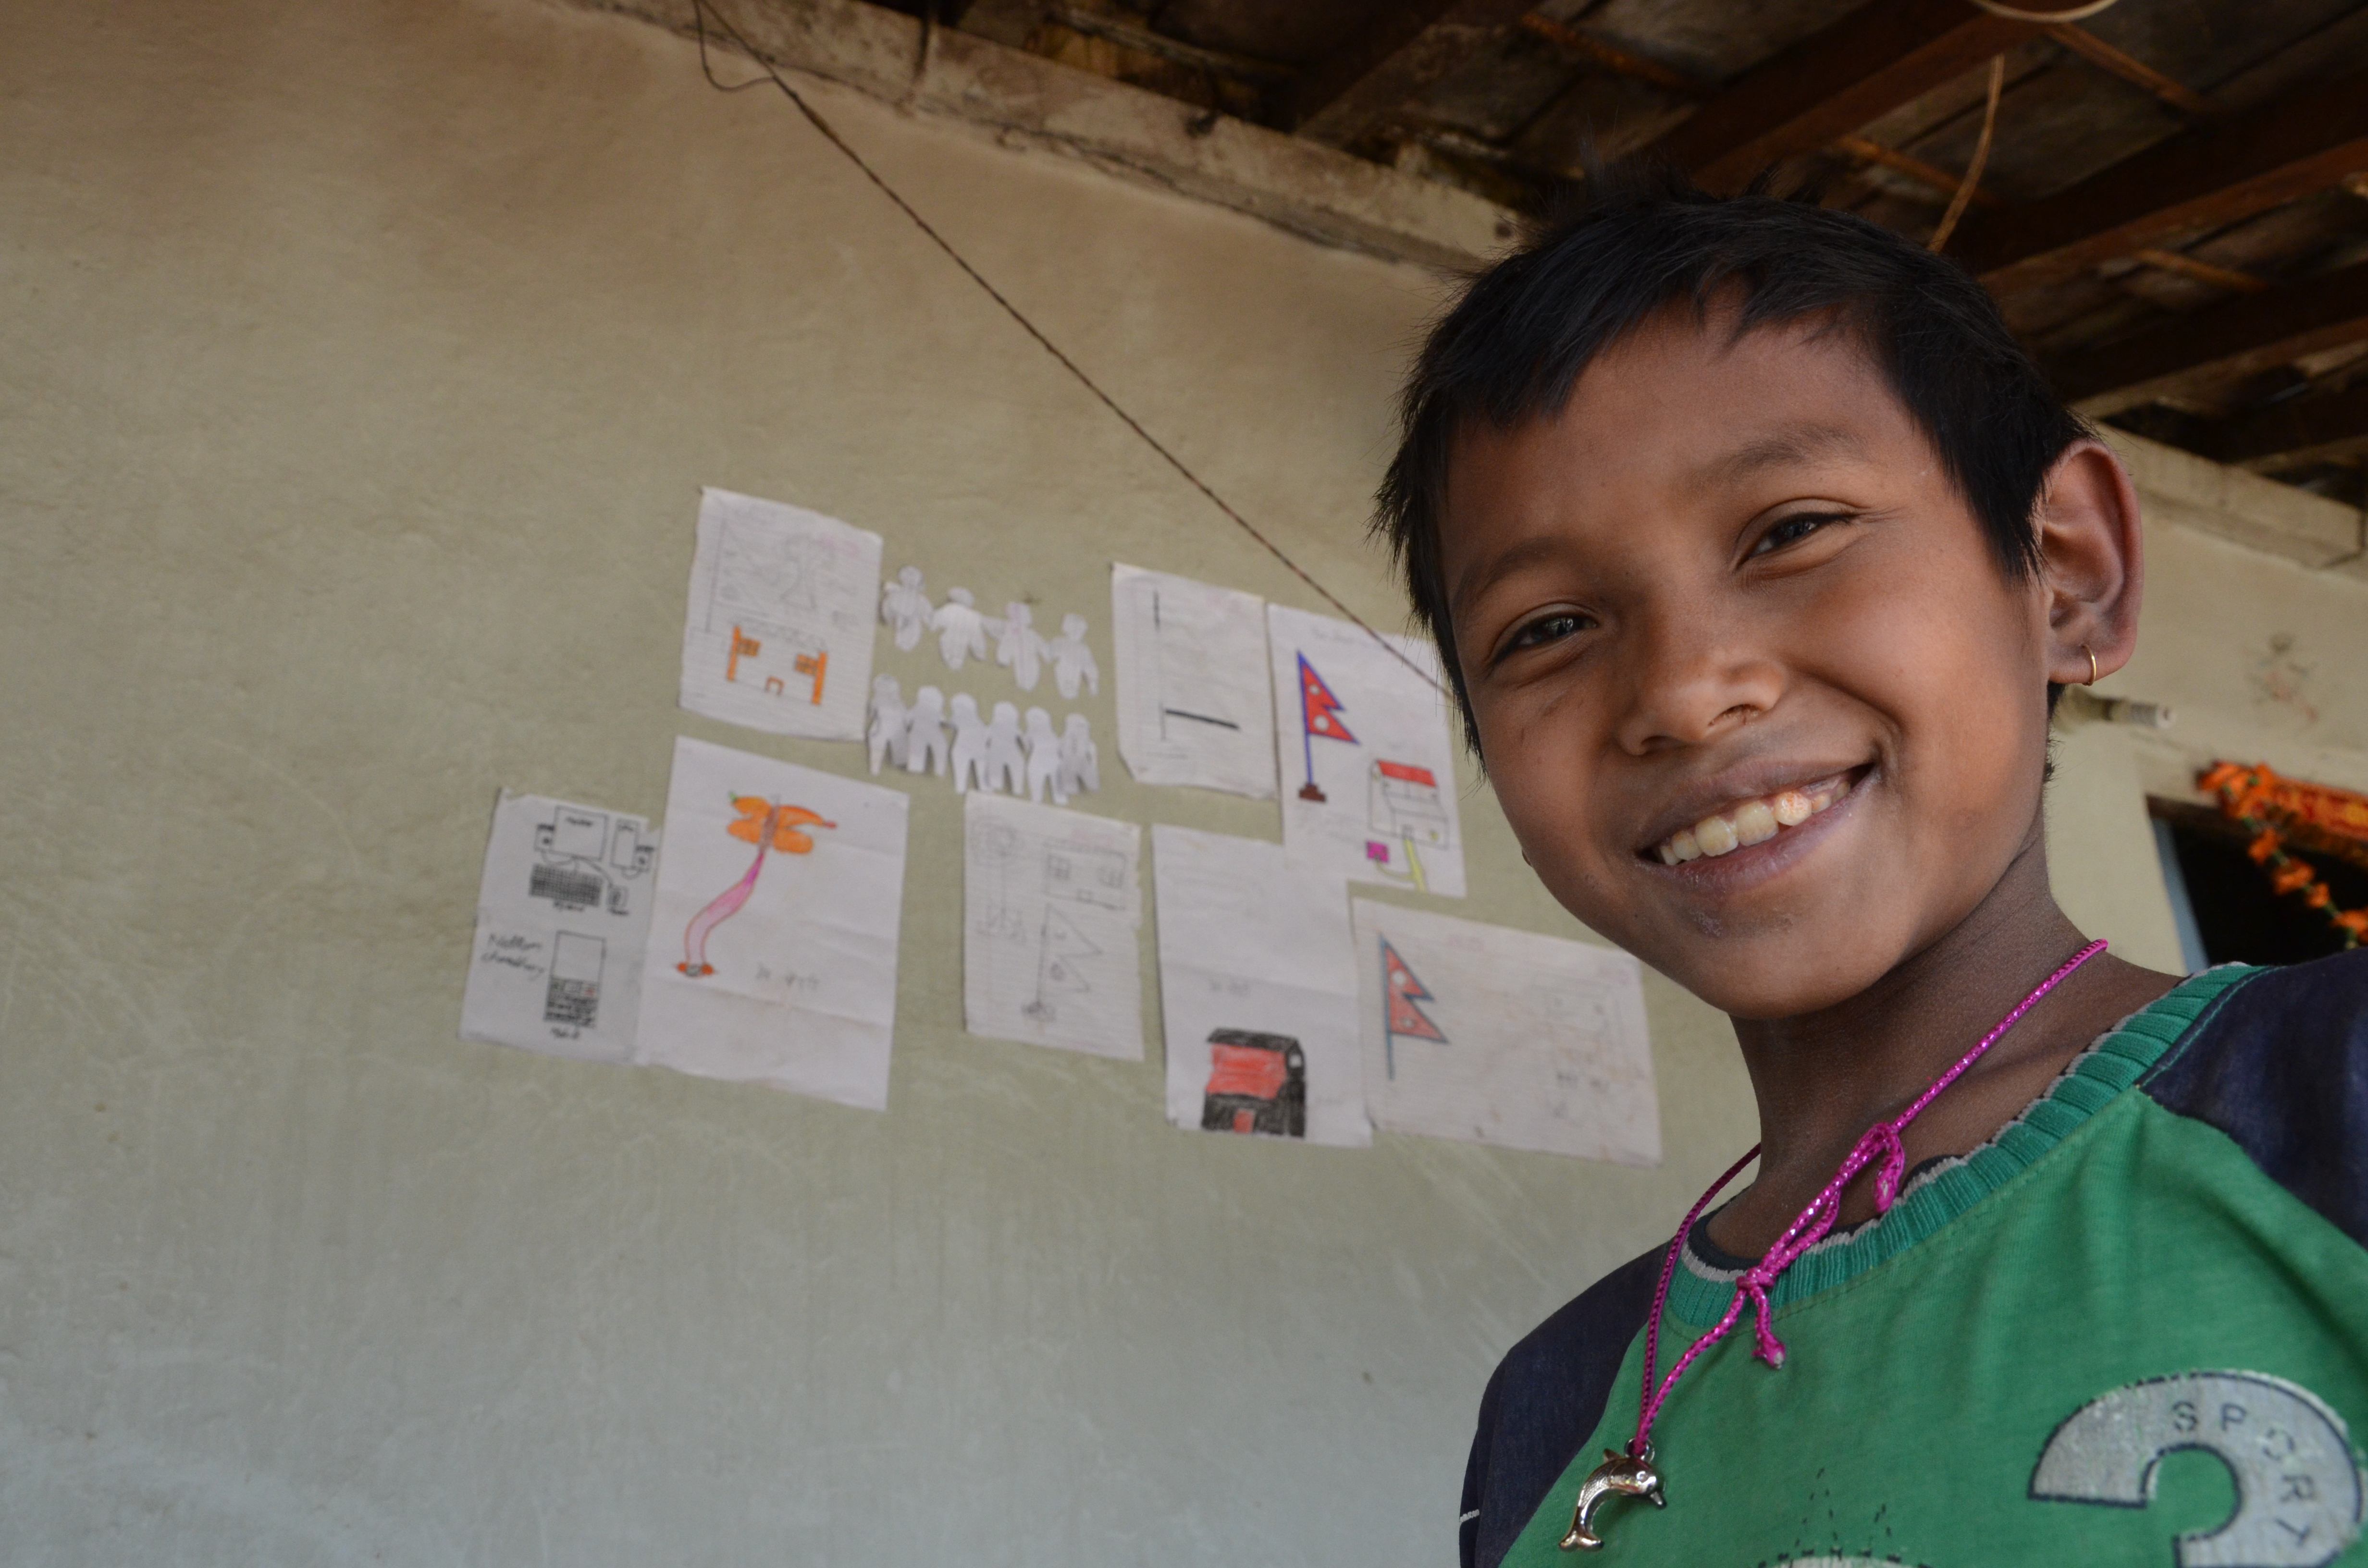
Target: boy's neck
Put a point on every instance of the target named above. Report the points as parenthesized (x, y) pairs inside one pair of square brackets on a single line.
[(1822, 1079)]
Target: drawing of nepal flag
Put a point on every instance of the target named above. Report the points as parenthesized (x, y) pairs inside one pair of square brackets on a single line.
[(1403, 995), (1319, 714)]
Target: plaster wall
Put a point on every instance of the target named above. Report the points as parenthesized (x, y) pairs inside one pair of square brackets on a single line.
[(362, 364), (2259, 656)]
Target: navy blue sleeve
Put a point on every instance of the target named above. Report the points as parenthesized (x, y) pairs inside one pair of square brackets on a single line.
[(2280, 1065), (1547, 1395)]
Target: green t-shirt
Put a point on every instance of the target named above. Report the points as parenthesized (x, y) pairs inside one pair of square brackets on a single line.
[(2118, 1332)]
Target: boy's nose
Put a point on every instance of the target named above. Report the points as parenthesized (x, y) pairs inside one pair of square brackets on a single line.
[(1689, 686)]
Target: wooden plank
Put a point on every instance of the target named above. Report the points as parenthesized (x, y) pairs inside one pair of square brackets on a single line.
[(1612, 58), (2300, 430), (1830, 84), (1940, 181), (2294, 146), (1408, 46), (2239, 338), (1008, 22), (2250, 510), (1020, 101), (2137, 73), (2198, 270)]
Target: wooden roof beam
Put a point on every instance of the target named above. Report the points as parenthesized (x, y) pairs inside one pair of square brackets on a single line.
[(2300, 430), (2239, 338), (1408, 48), (2296, 145), (1830, 84)]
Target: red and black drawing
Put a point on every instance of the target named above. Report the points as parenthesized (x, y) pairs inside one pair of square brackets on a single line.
[(1258, 1082), (1319, 717), (1403, 994)]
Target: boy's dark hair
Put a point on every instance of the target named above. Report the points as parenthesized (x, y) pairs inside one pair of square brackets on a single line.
[(1513, 347)]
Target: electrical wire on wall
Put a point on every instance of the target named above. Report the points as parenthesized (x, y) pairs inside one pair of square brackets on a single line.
[(701, 10)]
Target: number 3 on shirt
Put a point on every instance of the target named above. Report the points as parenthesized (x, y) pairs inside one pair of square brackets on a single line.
[(2298, 1491)]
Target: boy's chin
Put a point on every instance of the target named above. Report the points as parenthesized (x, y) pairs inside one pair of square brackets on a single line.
[(1785, 976)]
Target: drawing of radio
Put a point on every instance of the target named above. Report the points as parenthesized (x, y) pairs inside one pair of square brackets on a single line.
[(1258, 1082)]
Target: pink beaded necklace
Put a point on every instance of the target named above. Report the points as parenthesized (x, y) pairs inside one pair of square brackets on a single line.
[(1630, 1474)]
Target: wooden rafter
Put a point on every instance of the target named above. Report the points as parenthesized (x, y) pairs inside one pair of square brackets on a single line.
[(2240, 337), (1940, 181), (1832, 83), (2303, 429), (1131, 35), (2202, 180), (2136, 72), (1409, 46), (2197, 269), (1620, 61)]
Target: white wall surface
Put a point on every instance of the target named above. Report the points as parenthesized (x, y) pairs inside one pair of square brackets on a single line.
[(2261, 658), (361, 363)]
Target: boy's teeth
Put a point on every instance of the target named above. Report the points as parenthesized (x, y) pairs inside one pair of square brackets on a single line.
[(1716, 836), (1679, 847), (1753, 822)]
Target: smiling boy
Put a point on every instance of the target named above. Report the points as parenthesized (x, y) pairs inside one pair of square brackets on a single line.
[(1755, 550)]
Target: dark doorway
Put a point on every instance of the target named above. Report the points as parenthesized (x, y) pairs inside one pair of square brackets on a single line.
[(2237, 916)]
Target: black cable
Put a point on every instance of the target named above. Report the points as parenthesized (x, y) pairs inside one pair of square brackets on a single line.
[(700, 11)]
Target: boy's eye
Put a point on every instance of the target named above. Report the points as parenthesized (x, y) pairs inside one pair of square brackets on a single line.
[(1792, 530), (1547, 629)]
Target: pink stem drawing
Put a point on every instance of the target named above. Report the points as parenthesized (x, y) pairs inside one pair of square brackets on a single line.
[(771, 827)]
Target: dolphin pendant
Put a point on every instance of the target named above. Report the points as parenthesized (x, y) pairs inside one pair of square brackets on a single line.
[(1622, 1475)]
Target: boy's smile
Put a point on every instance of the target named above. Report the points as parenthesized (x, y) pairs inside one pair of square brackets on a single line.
[(1761, 700)]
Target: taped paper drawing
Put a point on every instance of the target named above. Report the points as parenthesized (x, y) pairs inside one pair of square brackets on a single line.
[(563, 914), (1052, 902), (778, 634), (1194, 703), (1257, 978), (1373, 801), (1494, 1035), (777, 967)]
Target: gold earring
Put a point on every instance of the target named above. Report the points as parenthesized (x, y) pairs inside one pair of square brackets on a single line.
[(2092, 664)]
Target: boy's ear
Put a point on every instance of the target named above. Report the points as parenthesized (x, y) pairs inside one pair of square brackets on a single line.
[(2091, 562)]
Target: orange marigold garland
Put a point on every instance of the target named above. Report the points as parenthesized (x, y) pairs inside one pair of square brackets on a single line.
[(2259, 800)]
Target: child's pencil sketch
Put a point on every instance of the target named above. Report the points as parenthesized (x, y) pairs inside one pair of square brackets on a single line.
[(1256, 982), (1052, 902), (562, 914), (1368, 770), (581, 862), (779, 634), (1494, 1036), (1195, 703), (778, 966)]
